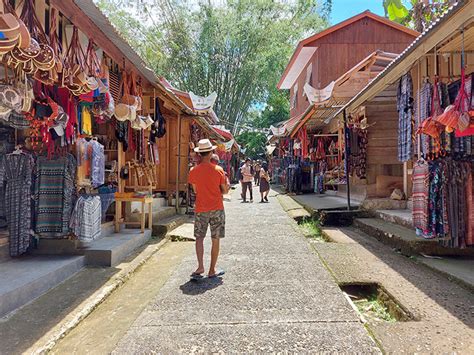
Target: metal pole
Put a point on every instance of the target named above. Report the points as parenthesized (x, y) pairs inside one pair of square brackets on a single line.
[(346, 160), (178, 168)]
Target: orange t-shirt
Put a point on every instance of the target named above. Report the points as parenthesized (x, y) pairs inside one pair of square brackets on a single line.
[(208, 178)]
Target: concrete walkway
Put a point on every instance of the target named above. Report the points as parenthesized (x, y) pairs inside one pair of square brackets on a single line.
[(276, 296)]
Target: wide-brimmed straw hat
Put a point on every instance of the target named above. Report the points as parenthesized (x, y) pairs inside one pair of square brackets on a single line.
[(204, 146)]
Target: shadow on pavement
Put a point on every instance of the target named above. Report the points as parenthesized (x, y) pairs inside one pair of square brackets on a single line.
[(454, 298), (198, 287)]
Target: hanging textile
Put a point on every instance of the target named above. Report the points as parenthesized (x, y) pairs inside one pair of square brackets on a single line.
[(107, 197), (303, 137), (405, 113), (422, 112), (16, 170), (54, 195), (448, 189), (420, 197), (470, 210), (90, 163), (158, 129), (358, 152), (86, 218)]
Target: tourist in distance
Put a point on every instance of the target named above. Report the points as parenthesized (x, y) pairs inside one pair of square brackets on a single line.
[(264, 183), (247, 178)]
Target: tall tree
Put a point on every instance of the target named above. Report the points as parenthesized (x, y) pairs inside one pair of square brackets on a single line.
[(237, 48)]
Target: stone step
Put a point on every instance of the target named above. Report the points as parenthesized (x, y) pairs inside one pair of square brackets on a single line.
[(338, 218), (113, 249), (184, 232), (159, 214), (164, 226), (67, 246), (28, 277), (401, 217), (405, 239), (4, 249)]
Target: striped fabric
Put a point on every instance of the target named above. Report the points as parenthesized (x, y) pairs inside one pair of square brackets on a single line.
[(420, 196), (54, 195), (405, 113), (86, 218)]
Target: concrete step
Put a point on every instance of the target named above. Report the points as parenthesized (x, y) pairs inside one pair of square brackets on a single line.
[(405, 239), (159, 214), (338, 218), (4, 246), (401, 217), (162, 227), (113, 249), (457, 269), (373, 204), (184, 232), (67, 246), (26, 278)]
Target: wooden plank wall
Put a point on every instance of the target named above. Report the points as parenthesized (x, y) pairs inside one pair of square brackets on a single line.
[(382, 148), (173, 152), (343, 49)]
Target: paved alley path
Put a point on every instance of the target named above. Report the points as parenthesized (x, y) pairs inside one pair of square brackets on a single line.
[(275, 296)]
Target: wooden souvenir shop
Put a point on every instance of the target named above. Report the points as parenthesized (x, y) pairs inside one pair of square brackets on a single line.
[(83, 124), (421, 116), (319, 142)]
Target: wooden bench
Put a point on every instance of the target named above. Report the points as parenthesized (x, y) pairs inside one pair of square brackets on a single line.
[(119, 219)]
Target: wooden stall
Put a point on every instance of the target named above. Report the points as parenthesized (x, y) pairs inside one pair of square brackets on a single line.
[(325, 72), (437, 56)]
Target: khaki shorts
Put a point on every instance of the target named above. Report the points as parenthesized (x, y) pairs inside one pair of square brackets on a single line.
[(215, 219)]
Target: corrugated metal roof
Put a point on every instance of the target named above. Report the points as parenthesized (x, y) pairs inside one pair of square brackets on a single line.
[(415, 44)]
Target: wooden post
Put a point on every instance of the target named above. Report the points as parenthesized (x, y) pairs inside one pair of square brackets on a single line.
[(346, 161), (178, 168), (168, 152), (405, 178), (120, 164)]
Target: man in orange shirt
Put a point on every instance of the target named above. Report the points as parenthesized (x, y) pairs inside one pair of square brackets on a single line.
[(209, 183)]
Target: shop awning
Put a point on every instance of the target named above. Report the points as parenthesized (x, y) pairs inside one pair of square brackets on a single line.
[(96, 25), (325, 103), (224, 133), (443, 33), (213, 134), (270, 149)]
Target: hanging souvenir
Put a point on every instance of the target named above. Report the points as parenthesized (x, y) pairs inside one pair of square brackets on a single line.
[(38, 55), (126, 110), (74, 75)]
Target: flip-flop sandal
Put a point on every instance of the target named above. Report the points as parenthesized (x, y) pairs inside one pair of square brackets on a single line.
[(196, 276), (217, 274)]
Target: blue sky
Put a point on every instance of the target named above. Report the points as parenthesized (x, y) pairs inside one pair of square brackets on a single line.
[(343, 9)]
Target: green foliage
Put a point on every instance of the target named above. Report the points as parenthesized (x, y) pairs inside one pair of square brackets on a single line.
[(253, 142), (277, 109), (419, 14), (312, 229), (372, 308), (395, 10), (237, 48)]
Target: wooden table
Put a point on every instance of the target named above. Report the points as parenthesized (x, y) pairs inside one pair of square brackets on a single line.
[(144, 201)]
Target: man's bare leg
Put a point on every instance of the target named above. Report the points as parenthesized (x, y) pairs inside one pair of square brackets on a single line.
[(214, 256), (200, 255)]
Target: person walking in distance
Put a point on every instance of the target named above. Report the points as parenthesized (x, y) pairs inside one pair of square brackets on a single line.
[(247, 178), (256, 170), (264, 183), (241, 180), (210, 184)]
